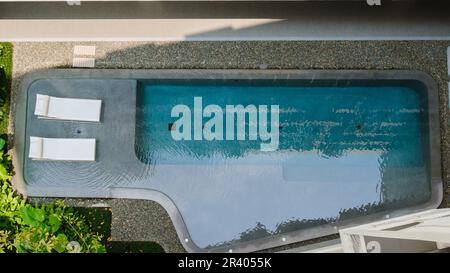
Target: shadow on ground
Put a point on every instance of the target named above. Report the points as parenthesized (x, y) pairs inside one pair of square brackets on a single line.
[(99, 219)]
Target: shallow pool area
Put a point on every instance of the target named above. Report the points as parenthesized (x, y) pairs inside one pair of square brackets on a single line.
[(352, 146)]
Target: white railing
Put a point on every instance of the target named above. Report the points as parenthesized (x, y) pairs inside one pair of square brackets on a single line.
[(419, 232)]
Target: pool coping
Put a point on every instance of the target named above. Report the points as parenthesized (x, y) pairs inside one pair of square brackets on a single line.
[(166, 202)]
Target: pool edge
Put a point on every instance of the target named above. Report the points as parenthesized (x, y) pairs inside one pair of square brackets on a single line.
[(181, 229)]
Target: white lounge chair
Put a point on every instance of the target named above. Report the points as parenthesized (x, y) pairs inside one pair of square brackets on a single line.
[(67, 108), (70, 149)]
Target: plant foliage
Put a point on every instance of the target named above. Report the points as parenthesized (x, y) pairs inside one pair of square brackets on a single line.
[(24, 227)]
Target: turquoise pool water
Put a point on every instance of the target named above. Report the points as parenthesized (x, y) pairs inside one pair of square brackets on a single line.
[(344, 151)]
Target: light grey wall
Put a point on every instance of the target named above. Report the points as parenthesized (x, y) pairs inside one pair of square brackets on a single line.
[(226, 20)]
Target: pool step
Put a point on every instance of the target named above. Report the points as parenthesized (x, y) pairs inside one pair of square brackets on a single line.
[(84, 62), (83, 56), (84, 50)]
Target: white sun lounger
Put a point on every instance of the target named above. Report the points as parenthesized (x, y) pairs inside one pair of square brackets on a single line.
[(68, 149), (67, 108)]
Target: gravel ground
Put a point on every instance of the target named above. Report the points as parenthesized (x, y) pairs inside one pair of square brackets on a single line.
[(135, 220)]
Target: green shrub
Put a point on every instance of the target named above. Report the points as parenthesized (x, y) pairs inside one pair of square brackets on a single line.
[(47, 228), (5, 83), (54, 228)]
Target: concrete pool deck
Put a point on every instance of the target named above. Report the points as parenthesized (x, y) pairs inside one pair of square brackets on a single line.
[(426, 56)]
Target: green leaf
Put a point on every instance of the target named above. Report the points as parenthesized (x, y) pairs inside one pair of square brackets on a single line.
[(61, 242), (2, 143), (32, 216), (99, 249), (21, 248), (54, 222), (4, 175)]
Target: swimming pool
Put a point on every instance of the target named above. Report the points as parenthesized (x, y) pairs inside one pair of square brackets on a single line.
[(351, 146)]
